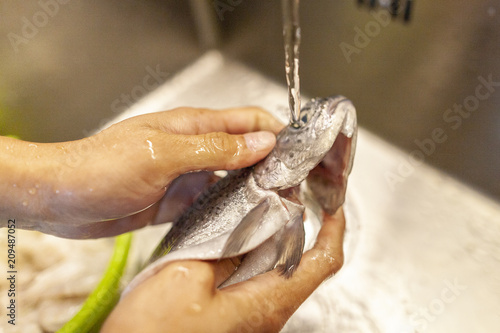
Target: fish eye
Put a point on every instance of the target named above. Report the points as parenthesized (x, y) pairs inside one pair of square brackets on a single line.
[(304, 118), (305, 115)]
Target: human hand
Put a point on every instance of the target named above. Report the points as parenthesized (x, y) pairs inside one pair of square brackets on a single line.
[(183, 296), (119, 184)]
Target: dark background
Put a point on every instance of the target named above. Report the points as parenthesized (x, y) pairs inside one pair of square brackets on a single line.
[(61, 82)]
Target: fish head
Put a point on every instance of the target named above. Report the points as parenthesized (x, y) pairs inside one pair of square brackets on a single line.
[(300, 147)]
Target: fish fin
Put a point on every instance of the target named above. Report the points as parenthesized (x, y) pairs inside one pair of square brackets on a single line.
[(245, 229), (258, 261), (291, 246)]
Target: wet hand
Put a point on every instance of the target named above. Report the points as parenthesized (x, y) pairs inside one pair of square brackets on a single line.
[(115, 181), (183, 296)]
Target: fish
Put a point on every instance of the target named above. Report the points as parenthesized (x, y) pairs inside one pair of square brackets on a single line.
[(257, 211)]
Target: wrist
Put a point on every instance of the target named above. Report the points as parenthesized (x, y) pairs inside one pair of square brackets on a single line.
[(28, 180)]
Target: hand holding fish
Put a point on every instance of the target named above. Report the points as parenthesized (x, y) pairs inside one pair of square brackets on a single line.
[(183, 296), (115, 181), (259, 211), (254, 215)]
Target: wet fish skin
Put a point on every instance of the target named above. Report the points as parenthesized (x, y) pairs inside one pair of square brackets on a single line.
[(200, 235), (215, 219), (219, 210), (299, 149), (327, 183)]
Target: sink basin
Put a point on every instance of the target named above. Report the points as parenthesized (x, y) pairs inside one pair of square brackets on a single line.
[(421, 248)]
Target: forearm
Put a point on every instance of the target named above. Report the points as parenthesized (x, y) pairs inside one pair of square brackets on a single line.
[(113, 181), (28, 180), (67, 188)]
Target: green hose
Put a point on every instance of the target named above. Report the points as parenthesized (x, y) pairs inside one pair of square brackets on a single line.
[(102, 300)]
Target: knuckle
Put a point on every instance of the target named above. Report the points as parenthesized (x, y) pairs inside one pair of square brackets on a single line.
[(220, 142), (339, 263)]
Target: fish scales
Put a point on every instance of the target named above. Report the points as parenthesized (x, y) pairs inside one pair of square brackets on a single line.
[(249, 211), (217, 211)]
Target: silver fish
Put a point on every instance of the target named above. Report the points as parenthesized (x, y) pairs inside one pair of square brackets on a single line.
[(257, 210)]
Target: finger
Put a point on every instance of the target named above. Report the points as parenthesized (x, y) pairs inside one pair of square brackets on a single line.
[(327, 255), (212, 151), (202, 277), (280, 297), (170, 299), (200, 121)]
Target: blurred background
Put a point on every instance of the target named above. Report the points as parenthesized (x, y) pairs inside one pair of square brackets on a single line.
[(68, 66)]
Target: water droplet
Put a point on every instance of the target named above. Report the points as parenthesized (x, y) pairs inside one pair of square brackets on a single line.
[(56, 191), (25, 203), (151, 149), (195, 307), (32, 191)]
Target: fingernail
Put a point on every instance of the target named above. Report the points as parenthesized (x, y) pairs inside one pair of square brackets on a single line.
[(257, 141)]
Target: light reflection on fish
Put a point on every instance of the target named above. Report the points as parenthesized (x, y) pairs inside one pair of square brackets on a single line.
[(257, 210)]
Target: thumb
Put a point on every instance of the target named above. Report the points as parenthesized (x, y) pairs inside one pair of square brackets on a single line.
[(218, 150)]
